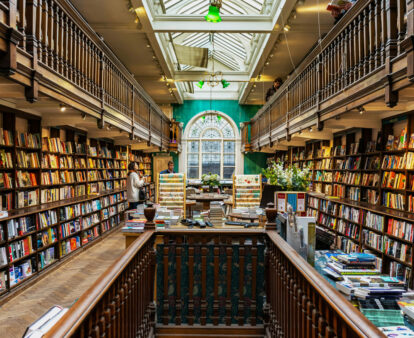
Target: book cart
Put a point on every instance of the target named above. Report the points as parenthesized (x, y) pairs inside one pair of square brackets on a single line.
[(171, 191), (247, 190)]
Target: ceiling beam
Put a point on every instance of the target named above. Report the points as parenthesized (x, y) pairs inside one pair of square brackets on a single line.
[(195, 76), (314, 135), (293, 143), (197, 24), (344, 123)]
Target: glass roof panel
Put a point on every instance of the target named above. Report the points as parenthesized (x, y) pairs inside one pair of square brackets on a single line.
[(229, 7), (230, 49)]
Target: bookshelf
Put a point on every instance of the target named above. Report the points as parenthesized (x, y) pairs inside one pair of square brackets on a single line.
[(62, 191), (371, 207), (360, 226)]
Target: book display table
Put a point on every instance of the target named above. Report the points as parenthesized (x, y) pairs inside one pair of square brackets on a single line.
[(206, 198)]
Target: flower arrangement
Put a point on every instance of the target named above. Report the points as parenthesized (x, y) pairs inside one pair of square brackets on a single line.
[(289, 179), (210, 179)]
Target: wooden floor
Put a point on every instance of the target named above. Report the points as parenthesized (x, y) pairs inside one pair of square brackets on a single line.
[(60, 287)]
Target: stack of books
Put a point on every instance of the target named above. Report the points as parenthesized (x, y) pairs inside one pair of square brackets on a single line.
[(365, 287), (134, 225), (340, 265), (216, 214)]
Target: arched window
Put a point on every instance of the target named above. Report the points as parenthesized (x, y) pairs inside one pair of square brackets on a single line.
[(211, 147)]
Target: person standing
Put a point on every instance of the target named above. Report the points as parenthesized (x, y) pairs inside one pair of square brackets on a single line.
[(272, 90), (134, 185), (170, 169)]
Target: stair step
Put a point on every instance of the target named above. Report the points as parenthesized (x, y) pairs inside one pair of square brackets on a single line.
[(172, 331)]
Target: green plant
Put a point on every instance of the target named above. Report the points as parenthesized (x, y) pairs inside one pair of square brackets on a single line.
[(289, 179), (211, 179)]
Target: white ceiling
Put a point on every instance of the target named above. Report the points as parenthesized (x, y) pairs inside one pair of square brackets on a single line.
[(249, 41)]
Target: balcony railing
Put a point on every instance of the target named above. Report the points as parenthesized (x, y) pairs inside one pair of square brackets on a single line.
[(217, 280), (363, 48), (47, 46)]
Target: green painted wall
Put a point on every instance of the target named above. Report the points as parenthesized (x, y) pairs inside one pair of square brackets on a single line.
[(253, 162)]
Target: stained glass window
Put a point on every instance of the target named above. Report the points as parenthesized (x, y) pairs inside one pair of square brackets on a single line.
[(211, 147)]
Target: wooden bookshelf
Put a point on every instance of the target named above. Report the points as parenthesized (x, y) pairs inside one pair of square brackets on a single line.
[(359, 226), (77, 183)]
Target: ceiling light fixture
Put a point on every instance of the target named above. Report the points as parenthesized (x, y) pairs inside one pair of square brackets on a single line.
[(362, 110), (225, 83), (286, 28), (213, 14), (200, 84), (62, 107), (83, 116), (310, 129)]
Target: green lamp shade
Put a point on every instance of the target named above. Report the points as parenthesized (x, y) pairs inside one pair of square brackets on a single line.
[(213, 14), (200, 84), (225, 83), (218, 118)]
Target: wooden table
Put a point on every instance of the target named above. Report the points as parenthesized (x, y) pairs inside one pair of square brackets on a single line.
[(252, 219), (206, 198)]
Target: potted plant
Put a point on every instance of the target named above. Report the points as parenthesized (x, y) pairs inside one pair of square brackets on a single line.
[(292, 181), (210, 181)]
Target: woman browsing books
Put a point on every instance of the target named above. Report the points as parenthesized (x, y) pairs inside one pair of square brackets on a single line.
[(134, 184)]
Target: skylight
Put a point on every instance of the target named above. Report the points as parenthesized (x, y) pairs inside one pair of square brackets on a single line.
[(200, 7)]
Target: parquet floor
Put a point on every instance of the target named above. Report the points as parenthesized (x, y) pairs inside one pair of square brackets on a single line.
[(60, 287)]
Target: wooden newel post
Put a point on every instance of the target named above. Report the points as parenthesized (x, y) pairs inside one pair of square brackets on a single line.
[(149, 213), (271, 213)]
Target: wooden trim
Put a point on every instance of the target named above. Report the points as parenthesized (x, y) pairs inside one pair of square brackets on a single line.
[(69, 323), (355, 319)]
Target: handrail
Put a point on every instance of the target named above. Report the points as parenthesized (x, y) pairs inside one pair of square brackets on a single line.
[(56, 43), (365, 43), (85, 305), (356, 321), (299, 302)]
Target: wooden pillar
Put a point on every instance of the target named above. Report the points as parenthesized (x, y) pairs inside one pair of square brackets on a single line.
[(8, 61)]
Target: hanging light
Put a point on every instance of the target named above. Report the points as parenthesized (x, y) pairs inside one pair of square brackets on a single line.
[(200, 84), (213, 14), (225, 83), (218, 118)]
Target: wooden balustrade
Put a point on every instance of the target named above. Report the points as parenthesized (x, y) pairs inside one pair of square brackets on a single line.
[(59, 44), (300, 303), (365, 43), (120, 303), (212, 278)]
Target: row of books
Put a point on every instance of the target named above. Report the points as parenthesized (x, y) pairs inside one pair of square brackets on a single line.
[(391, 179), (25, 179), (6, 160), (348, 229), (46, 237), (372, 239), (394, 201), (20, 226), (401, 229), (20, 248), (6, 137), (28, 140), (397, 249), (6, 181), (27, 160), (398, 142)]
